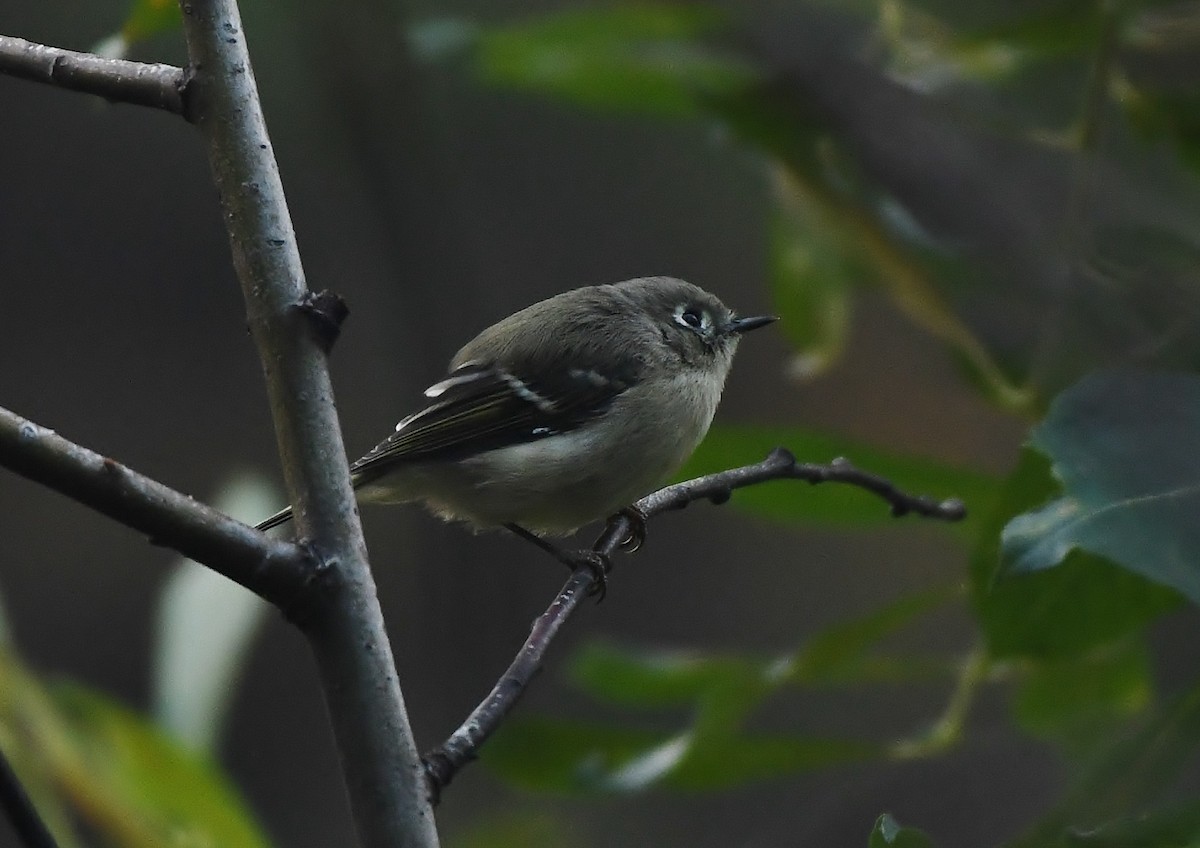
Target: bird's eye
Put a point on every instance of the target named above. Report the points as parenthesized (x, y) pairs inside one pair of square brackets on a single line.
[(692, 318)]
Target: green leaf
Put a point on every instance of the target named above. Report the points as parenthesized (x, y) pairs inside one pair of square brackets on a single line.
[(516, 829), (1079, 701), (779, 120), (712, 751), (840, 654), (811, 281), (29, 733), (720, 763), (150, 17), (139, 787), (1128, 778), (1052, 28), (1172, 826), (641, 57), (1126, 447), (837, 656), (646, 678), (567, 756), (145, 19), (1170, 115), (833, 504), (1063, 611), (888, 833)]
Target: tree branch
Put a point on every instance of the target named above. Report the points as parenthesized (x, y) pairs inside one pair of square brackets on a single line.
[(345, 628), (274, 569), (155, 85), (445, 761)]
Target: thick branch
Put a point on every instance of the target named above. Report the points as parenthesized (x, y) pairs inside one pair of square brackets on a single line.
[(444, 762), (274, 569), (380, 761), (156, 85)]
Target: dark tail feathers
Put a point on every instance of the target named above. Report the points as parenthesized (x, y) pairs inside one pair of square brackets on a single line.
[(282, 517)]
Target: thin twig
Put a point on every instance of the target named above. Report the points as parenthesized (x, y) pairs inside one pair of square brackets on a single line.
[(445, 761), (21, 812), (119, 80), (274, 569), (344, 625)]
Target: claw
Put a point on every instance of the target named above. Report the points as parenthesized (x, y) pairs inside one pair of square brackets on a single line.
[(599, 564), (637, 529)]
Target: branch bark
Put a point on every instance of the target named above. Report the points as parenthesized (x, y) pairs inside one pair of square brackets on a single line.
[(340, 613), (344, 624), (274, 569), (119, 80), (341, 617), (445, 761)]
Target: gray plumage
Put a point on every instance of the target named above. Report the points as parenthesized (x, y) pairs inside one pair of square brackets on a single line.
[(564, 412)]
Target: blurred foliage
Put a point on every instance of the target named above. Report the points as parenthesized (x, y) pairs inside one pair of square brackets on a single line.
[(85, 758), (1082, 603), (1122, 445), (642, 58), (1123, 794), (719, 694), (149, 17), (811, 281), (1035, 246), (129, 778), (512, 830), (1020, 180), (1081, 701), (145, 19), (888, 833)]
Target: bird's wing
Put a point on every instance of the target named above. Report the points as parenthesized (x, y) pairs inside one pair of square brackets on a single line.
[(482, 406)]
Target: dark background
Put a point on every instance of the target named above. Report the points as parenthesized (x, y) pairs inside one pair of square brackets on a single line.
[(436, 206)]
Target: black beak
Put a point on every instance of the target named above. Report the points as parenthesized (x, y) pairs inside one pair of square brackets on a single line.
[(745, 325)]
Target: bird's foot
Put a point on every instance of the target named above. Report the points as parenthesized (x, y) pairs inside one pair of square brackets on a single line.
[(598, 563), (637, 528)]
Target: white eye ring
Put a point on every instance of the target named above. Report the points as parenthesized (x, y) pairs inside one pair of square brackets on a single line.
[(692, 318)]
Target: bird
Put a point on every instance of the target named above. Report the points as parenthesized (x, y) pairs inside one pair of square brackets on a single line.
[(564, 413)]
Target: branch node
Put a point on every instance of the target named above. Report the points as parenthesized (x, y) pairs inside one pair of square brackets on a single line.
[(782, 455), (186, 88), (322, 580), (325, 311), (721, 496), (952, 509)]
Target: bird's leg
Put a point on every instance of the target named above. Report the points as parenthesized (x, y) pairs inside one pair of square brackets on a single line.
[(598, 563)]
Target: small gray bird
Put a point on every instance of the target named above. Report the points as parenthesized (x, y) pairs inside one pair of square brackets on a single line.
[(563, 413)]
